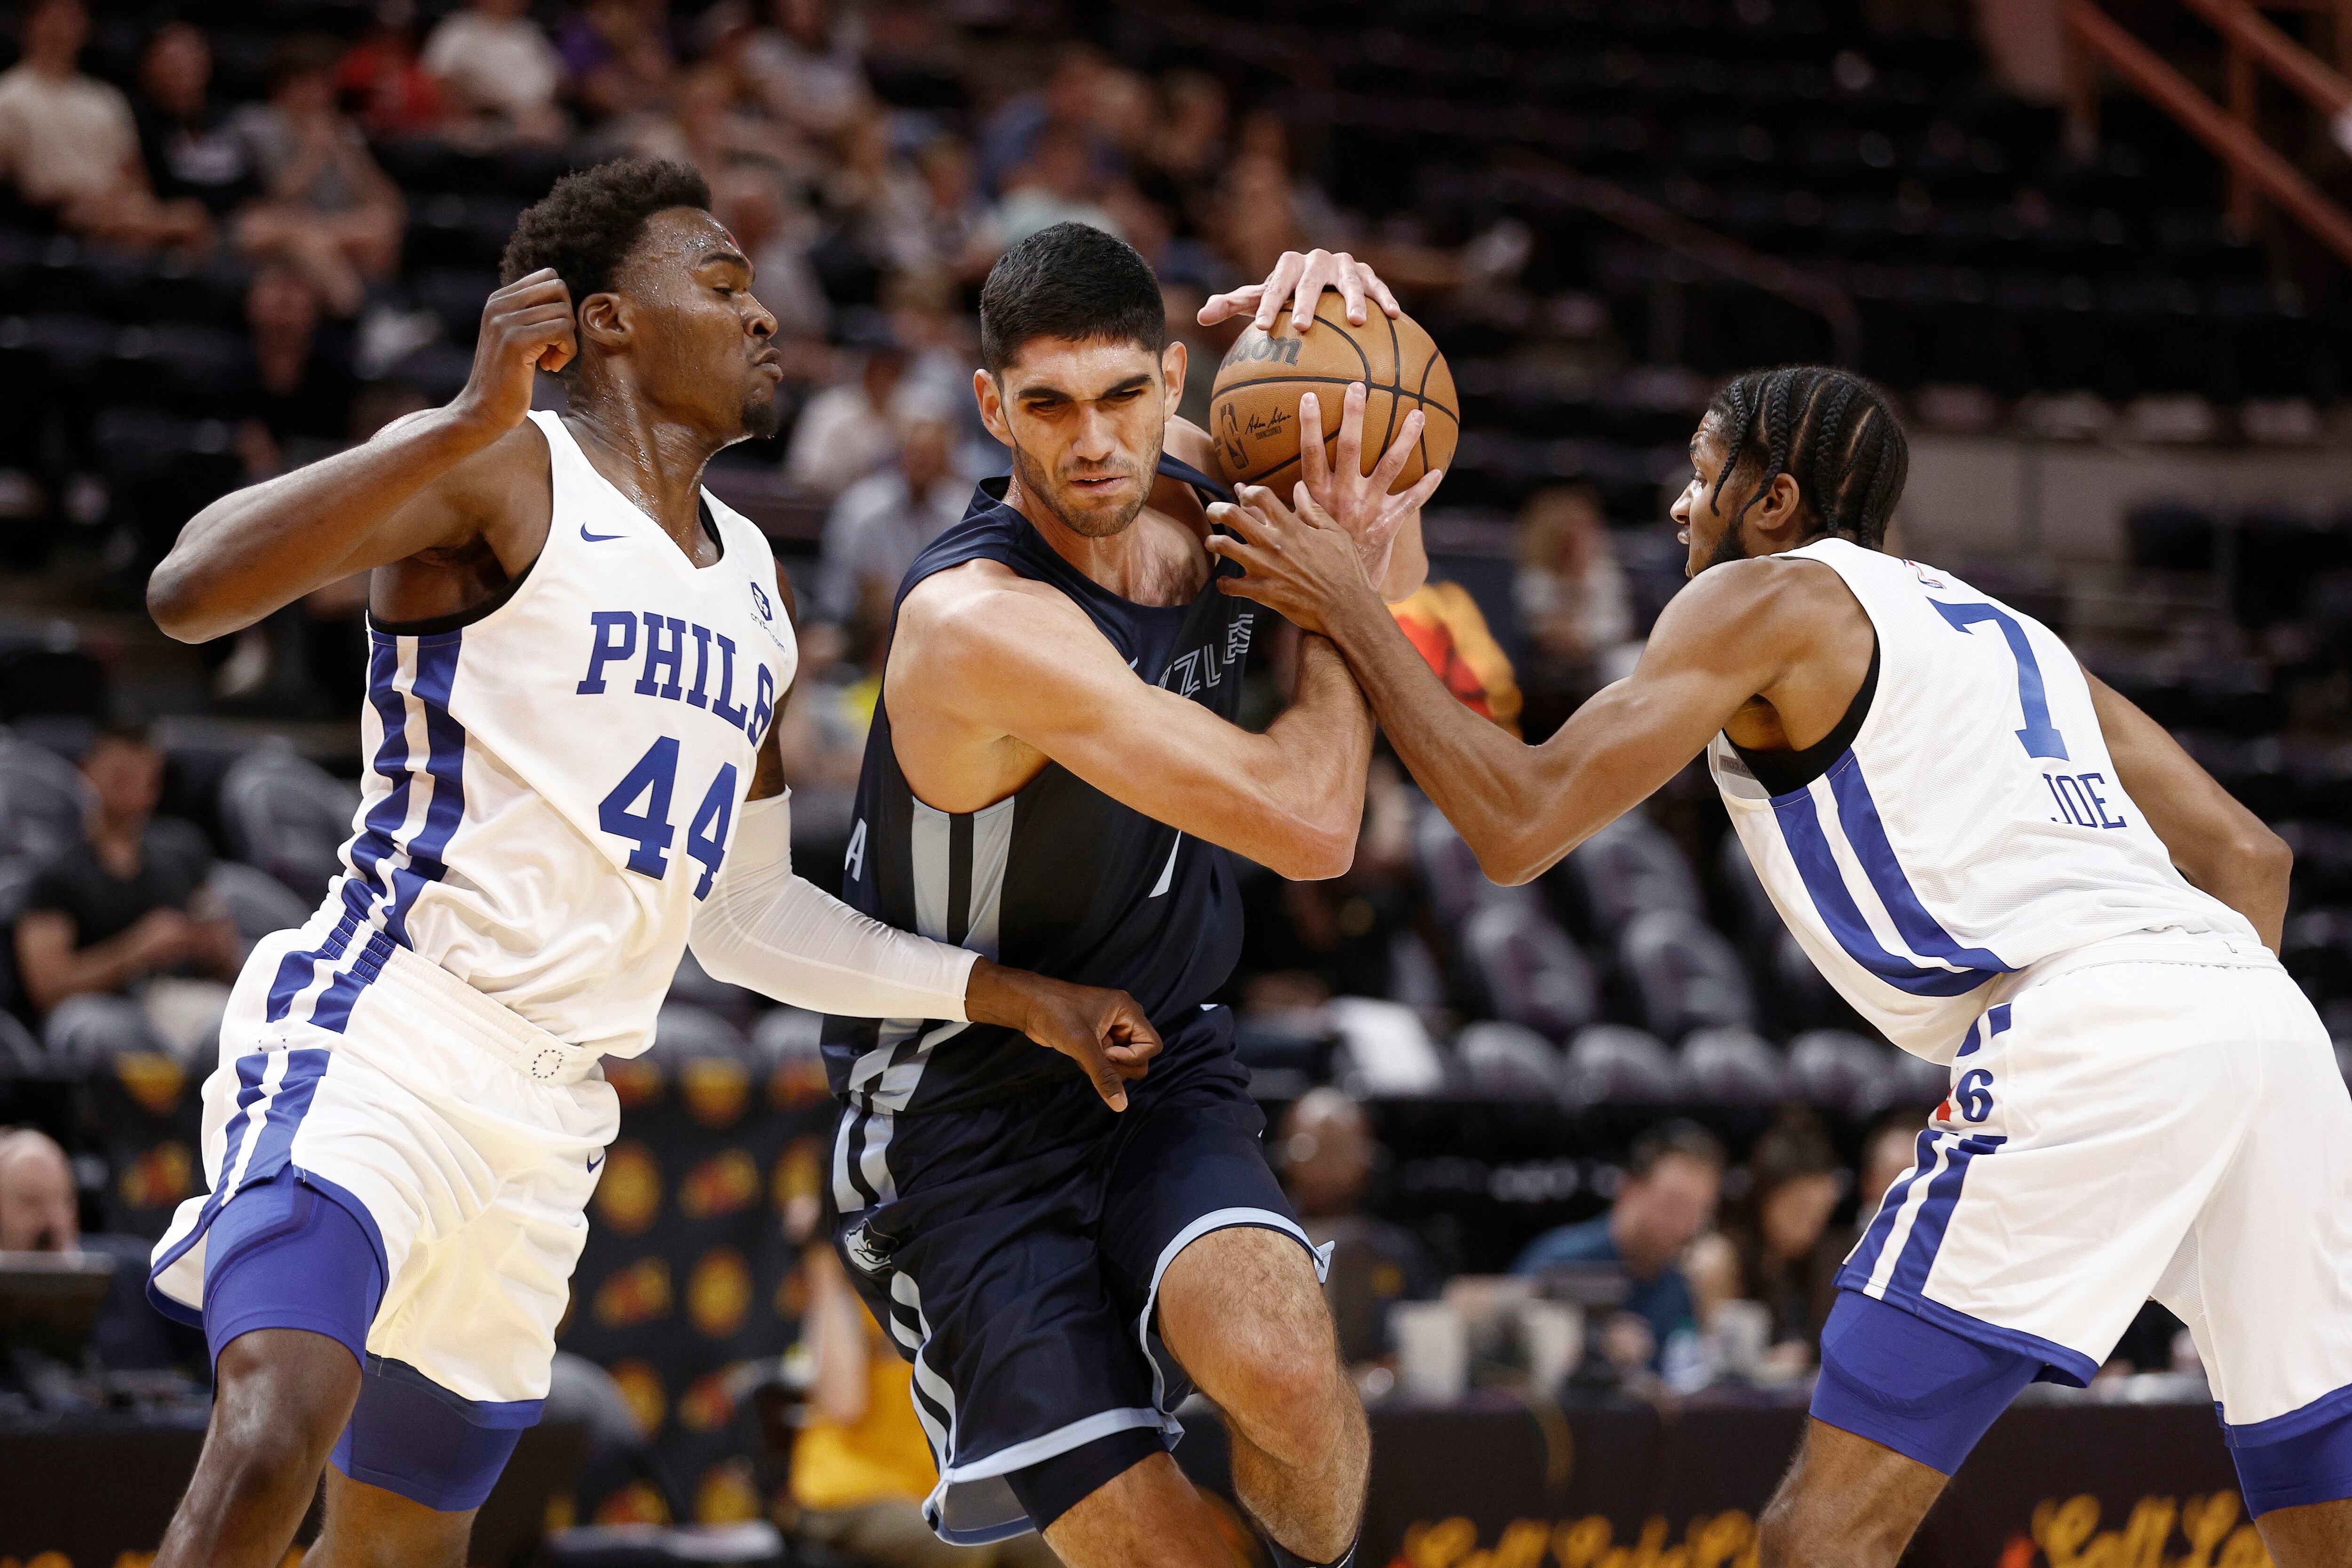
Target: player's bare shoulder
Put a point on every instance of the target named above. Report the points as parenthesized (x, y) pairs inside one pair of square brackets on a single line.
[(505, 491), (966, 623), (1788, 600)]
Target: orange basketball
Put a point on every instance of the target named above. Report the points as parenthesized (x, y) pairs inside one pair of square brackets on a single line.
[(1254, 412)]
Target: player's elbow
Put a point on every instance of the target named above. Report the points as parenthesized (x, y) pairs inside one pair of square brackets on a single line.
[(187, 605), (2266, 855), (1510, 855), (1310, 853)]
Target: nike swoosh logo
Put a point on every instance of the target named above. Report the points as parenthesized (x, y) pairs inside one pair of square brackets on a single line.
[(596, 538), (593, 1163)]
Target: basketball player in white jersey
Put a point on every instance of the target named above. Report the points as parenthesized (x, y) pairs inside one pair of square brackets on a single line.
[(577, 656), (2006, 868)]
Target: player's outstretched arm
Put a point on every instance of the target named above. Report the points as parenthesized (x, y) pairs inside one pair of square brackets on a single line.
[(1730, 635), (761, 926), (434, 480), (2221, 847), (1003, 659)]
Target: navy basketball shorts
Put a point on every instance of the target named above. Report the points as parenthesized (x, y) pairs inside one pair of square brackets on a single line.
[(1016, 1258)]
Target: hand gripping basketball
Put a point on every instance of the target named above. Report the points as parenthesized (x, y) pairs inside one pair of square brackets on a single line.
[(1356, 501)]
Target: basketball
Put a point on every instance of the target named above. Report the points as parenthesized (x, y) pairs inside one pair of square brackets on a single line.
[(1254, 412)]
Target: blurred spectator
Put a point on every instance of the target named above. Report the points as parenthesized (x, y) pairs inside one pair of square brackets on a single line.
[(382, 75), (1445, 623), (807, 63), (1056, 183), (708, 127), (846, 432), (1776, 1247), (1890, 1150), (1326, 1153), (328, 210), (125, 910), (1570, 592), (822, 734), (1664, 1202), (499, 73), (291, 388), (883, 522), (39, 1213), (1190, 139), (1069, 100), (70, 142), (616, 56), (774, 234), (861, 1466), (184, 137)]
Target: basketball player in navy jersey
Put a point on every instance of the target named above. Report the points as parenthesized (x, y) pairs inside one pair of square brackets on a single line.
[(1054, 778), (2008, 869), (573, 644)]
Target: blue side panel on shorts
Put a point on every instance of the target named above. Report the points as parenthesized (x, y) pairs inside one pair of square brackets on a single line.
[(2303, 1457), (410, 1436), (1913, 1385), (272, 1152), (291, 1256)]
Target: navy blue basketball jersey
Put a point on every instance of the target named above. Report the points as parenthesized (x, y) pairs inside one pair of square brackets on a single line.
[(1056, 878)]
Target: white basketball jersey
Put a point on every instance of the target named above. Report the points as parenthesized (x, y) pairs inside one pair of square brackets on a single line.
[(553, 781), (1976, 826)]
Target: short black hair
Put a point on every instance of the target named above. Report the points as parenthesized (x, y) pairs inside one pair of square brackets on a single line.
[(586, 226), (1685, 1138), (1832, 431), (1072, 281)]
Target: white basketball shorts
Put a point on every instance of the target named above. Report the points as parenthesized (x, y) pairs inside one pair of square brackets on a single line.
[(2153, 1117), (467, 1141)]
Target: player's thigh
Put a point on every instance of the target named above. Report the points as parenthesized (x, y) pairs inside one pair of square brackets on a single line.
[(369, 1527), (2265, 1278), (1241, 1309), (2312, 1535), (1847, 1500)]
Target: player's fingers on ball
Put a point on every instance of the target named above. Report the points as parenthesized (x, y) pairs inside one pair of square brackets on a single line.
[(1277, 288), (1351, 431), (1318, 275), (1399, 454), (1351, 289), (1379, 289)]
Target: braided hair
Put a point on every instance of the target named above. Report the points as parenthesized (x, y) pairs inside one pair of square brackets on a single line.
[(1828, 429)]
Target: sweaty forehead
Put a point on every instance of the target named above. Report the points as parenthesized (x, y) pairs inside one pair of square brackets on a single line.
[(673, 242)]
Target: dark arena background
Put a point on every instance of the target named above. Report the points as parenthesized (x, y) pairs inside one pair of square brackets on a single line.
[(2100, 252)]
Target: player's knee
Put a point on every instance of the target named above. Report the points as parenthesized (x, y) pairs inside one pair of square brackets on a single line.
[(1289, 1392), (275, 1413)]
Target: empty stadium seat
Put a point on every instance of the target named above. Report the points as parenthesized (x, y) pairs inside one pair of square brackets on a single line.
[(1841, 1071), (1684, 975), (1628, 868), (1733, 1066), (1508, 1061), (1529, 971), (1448, 866), (1611, 1064), (256, 902), (288, 815), (44, 802)]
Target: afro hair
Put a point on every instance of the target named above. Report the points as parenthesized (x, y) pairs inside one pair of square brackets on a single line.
[(586, 226)]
